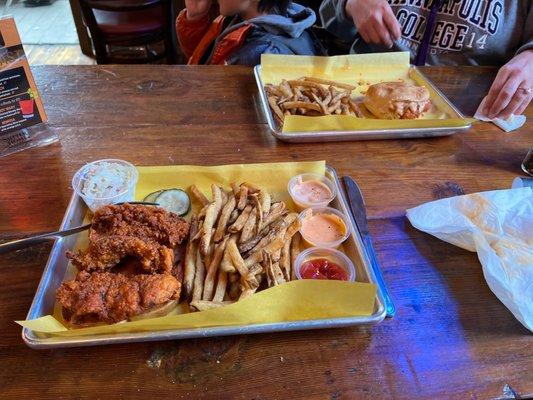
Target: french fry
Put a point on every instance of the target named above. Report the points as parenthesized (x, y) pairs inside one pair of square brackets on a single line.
[(249, 226), (323, 105), (224, 218), (241, 220), (345, 110), (301, 104), (199, 196), (207, 257), (198, 278), (286, 88), (211, 215), (233, 217), (295, 252), (288, 227), (307, 84), (233, 291), (190, 259), (274, 91), (292, 229), (278, 229), (252, 188), (235, 189), (222, 283), (339, 96), (270, 248), (277, 210), (274, 105), (236, 258), (276, 255), (243, 197), (212, 269), (224, 196), (258, 214), (226, 264), (267, 265), (285, 260), (250, 244), (246, 293), (255, 270), (201, 214), (330, 83), (277, 274), (355, 108), (334, 107), (203, 305)]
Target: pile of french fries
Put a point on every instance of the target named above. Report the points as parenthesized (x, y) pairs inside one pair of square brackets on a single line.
[(312, 97), (239, 242)]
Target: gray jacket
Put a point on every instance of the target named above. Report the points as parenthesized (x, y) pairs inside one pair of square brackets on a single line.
[(276, 34), (467, 32)]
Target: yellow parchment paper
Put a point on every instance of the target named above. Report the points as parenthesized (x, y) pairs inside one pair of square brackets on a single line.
[(293, 301), (361, 70)]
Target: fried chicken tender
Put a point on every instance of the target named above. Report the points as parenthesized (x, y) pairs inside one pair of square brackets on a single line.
[(106, 252), (147, 223), (109, 298)]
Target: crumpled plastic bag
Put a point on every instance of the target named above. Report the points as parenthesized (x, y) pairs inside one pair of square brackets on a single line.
[(498, 225)]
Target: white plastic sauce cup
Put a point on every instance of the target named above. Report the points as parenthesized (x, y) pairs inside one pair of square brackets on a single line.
[(303, 203), (94, 202), (332, 255), (310, 213)]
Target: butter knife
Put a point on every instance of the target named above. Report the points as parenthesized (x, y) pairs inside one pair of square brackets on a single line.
[(357, 207)]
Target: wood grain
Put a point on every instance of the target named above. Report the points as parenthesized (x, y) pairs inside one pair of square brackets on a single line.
[(56, 54), (451, 338)]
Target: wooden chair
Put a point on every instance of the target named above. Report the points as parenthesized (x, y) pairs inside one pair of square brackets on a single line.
[(117, 25)]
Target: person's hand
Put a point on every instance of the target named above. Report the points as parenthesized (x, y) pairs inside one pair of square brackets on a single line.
[(511, 91), (374, 21), (197, 9)]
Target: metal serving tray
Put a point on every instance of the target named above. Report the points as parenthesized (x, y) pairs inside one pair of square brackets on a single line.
[(56, 267), (336, 136)]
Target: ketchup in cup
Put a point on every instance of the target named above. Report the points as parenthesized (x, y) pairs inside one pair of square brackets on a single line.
[(324, 263), (322, 268)]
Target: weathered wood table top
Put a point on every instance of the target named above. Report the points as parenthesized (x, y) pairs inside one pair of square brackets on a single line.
[(451, 338)]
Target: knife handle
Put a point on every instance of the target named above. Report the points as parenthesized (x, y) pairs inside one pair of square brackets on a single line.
[(389, 305), (23, 243)]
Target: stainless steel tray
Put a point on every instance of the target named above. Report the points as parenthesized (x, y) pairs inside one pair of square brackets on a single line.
[(56, 267), (336, 136)]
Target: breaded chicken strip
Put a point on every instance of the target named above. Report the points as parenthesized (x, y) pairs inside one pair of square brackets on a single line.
[(111, 298), (144, 222), (105, 252)]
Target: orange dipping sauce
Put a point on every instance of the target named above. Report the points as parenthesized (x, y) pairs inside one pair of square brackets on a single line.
[(323, 228)]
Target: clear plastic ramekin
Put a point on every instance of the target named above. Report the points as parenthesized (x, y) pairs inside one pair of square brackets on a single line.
[(95, 202), (302, 203), (313, 211), (332, 255)]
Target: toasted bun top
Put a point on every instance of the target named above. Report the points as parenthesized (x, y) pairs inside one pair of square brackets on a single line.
[(397, 91)]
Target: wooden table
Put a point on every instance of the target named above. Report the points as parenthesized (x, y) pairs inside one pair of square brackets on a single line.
[(451, 338)]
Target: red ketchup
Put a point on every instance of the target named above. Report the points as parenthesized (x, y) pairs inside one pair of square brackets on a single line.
[(322, 268)]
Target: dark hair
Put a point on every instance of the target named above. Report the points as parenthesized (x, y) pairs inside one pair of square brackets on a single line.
[(273, 6)]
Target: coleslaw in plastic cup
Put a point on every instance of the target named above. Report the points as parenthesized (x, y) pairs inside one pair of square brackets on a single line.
[(104, 182)]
